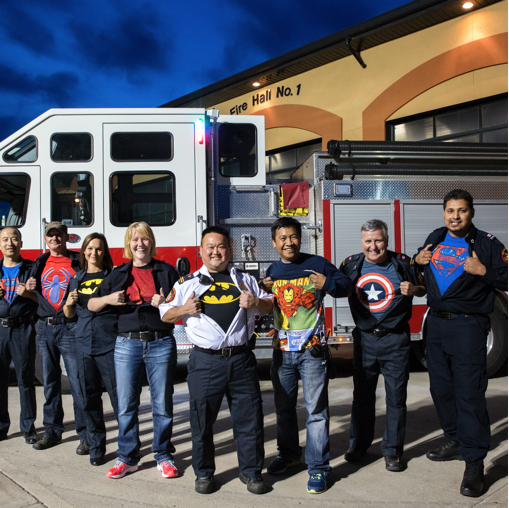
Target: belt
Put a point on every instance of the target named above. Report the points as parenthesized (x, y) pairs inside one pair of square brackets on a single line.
[(382, 332), (143, 336), (11, 322), (226, 351), (53, 320), (450, 315)]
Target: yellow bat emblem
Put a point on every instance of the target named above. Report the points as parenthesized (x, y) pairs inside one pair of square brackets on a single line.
[(219, 299)]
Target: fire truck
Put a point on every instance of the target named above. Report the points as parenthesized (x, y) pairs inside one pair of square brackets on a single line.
[(181, 170)]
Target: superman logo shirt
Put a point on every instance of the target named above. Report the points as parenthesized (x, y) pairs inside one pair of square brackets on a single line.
[(448, 261)]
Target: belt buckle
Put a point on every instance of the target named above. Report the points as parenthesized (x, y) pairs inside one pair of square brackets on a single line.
[(378, 332), (5, 323), (447, 315), (227, 349), (145, 336)]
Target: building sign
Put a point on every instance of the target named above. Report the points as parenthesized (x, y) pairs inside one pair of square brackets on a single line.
[(262, 97)]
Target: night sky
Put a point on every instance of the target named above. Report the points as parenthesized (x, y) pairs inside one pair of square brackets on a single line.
[(104, 53)]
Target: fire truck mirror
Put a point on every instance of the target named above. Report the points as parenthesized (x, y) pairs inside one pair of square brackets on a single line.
[(183, 266)]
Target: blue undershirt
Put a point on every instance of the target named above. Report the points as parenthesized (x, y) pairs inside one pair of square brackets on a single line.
[(448, 261), (10, 282), (378, 288)]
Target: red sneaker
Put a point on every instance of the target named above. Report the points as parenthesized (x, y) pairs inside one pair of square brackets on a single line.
[(120, 469), (168, 469)]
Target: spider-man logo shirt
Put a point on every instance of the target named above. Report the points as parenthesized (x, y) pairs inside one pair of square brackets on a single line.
[(9, 282), (448, 261), (55, 279)]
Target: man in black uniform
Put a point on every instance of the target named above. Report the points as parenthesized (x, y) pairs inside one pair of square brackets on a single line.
[(463, 267), (18, 306), (381, 307)]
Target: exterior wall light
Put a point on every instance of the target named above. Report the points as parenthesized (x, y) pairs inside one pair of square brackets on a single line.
[(256, 83), (468, 5)]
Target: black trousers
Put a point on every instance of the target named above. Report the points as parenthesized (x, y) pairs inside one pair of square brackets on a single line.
[(210, 378), (18, 344), (389, 356), (92, 371), (456, 354)]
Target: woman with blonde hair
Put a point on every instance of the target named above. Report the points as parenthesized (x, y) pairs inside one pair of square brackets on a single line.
[(95, 340), (143, 341)]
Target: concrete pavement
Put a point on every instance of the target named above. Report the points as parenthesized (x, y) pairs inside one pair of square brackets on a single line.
[(58, 478)]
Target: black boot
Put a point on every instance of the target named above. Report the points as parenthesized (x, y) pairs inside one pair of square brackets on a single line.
[(473, 478), (448, 451)]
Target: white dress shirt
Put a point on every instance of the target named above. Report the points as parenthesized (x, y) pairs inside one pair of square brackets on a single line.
[(203, 331)]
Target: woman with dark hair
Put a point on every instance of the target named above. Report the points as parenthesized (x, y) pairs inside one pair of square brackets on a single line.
[(95, 341), (144, 342)]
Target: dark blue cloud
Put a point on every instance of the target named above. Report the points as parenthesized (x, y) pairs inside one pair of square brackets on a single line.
[(58, 88), (128, 43), (26, 28)]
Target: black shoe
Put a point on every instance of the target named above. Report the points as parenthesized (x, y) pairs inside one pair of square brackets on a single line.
[(83, 448), (448, 451), (392, 463), (354, 454), (30, 437), (46, 442), (473, 478), (3, 437), (97, 461), (204, 485), (254, 485)]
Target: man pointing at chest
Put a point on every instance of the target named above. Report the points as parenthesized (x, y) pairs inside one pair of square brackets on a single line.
[(218, 305)]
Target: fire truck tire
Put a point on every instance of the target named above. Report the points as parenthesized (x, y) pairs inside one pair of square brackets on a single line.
[(496, 357), (497, 338)]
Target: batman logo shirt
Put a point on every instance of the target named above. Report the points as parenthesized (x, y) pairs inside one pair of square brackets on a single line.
[(221, 301), (88, 287)]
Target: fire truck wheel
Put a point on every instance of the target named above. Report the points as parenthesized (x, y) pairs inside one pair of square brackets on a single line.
[(496, 357), (497, 338)]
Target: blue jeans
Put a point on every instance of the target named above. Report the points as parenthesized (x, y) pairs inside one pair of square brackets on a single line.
[(159, 358), (286, 365), (55, 341)]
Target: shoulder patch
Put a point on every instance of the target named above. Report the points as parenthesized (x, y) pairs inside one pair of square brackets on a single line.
[(504, 255), (490, 236), (171, 296)]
